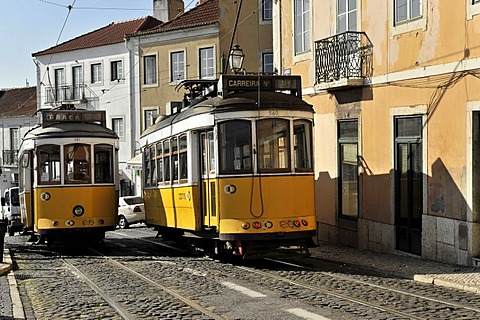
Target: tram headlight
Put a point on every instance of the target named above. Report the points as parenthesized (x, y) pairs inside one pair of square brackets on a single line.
[(245, 225), (257, 225), (78, 211), (304, 222), (296, 223), (101, 221)]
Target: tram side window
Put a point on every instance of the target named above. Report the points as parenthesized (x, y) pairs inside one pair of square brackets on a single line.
[(159, 163), (48, 164), (174, 157), (146, 166), (77, 163), (183, 158), (302, 131), (166, 161), (103, 163), (235, 146), (273, 145), (153, 167)]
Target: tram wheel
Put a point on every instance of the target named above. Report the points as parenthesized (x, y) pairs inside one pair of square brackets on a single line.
[(122, 222)]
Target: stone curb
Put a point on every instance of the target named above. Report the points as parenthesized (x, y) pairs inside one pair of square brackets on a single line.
[(7, 268)]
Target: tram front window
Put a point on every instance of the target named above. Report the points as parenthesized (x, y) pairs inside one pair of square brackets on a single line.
[(103, 164), (235, 146), (273, 145), (49, 164), (302, 131), (77, 163)]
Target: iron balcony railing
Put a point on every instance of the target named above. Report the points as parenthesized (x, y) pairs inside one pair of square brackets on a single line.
[(10, 157), (70, 94), (347, 55)]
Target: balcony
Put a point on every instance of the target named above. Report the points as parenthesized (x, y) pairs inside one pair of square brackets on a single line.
[(71, 95), (10, 157), (343, 60)]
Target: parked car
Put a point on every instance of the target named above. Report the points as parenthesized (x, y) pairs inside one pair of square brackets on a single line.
[(10, 211), (130, 210)]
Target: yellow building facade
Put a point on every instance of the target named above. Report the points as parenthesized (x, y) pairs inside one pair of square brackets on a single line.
[(395, 87), (196, 45)]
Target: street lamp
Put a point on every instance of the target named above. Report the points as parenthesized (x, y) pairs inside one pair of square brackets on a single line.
[(235, 59)]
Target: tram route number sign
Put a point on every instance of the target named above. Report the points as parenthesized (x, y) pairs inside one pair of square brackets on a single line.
[(55, 116), (230, 83)]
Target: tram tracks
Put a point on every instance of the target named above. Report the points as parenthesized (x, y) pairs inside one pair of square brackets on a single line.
[(125, 310), (368, 294)]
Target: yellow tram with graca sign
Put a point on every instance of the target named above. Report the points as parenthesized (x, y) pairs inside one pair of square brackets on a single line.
[(67, 176), (231, 169)]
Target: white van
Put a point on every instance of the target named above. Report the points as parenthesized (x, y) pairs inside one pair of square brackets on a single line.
[(11, 210)]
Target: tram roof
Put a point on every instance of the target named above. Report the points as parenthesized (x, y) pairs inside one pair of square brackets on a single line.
[(68, 130), (238, 101)]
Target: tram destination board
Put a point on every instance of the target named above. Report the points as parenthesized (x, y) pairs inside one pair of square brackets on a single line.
[(232, 83), (56, 116)]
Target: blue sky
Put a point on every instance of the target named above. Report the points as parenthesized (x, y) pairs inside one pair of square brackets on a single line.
[(28, 26)]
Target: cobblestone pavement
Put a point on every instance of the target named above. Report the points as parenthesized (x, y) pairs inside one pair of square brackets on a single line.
[(398, 265)]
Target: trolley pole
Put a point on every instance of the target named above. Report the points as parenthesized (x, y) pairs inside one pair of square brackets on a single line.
[(3, 228)]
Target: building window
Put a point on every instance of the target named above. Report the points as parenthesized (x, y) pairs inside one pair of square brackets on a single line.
[(346, 15), (348, 168), (116, 70), (302, 26), (150, 116), (266, 10), (207, 67), (96, 70), (150, 69), (118, 127), (77, 82), (476, 1), (267, 62), (406, 10), (14, 139), (177, 66), (60, 85)]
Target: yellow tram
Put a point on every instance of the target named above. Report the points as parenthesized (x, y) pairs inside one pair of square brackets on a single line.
[(232, 166), (67, 176)]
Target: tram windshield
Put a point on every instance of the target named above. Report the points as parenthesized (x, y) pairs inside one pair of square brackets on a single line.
[(48, 164), (273, 145), (302, 139), (235, 146), (77, 163)]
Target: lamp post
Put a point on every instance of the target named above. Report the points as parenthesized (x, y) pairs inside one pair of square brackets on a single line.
[(235, 59)]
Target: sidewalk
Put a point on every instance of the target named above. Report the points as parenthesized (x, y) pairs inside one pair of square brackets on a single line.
[(405, 266)]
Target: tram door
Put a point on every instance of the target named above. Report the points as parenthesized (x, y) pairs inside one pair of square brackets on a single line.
[(209, 185)]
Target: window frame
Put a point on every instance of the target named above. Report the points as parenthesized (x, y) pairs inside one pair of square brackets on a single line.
[(116, 70), (146, 116), (154, 81), (264, 54), (96, 76), (122, 119), (14, 139), (305, 28), (341, 141), (409, 16), (53, 165), (201, 65), (347, 15), (174, 65), (266, 9)]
